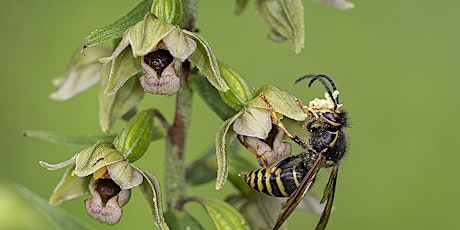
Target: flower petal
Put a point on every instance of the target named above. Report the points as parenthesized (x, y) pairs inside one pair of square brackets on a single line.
[(124, 175), (180, 46), (121, 46), (253, 122)]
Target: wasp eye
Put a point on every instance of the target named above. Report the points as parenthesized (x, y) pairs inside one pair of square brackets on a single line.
[(330, 116)]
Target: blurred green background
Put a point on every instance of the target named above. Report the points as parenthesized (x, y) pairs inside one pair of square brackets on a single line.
[(395, 62)]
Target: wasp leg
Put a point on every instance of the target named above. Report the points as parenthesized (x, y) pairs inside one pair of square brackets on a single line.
[(276, 121), (262, 159), (307, 109)]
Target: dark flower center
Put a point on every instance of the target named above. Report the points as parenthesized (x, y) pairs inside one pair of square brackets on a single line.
[(158, 60), (107, 189)]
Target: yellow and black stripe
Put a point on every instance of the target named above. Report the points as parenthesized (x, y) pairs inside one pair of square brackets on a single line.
[(275, 181)]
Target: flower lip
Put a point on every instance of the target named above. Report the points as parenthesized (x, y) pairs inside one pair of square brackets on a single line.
[(107, 188), (158, 59)]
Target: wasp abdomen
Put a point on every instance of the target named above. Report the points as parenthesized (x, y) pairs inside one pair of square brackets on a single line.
[(274, 181)]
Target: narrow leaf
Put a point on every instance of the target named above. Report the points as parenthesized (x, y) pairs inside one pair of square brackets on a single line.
[(210, 96), (205, 60), (223, 137), (57, 217), (116, 29), (152, 193), (58, 138), (223, 214)]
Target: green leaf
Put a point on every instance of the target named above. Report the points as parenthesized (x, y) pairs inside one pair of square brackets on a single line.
[(124, 67), (91, 159), (167, 10), (286, 18), (223, 138), (281, 102), (152, 193), (205, 60), (146, 34), (58, 138), (69, 187), (116, 29), (113, 107), (57, 217), (223, 214), (239, 92), (210, 96), (182, 220)]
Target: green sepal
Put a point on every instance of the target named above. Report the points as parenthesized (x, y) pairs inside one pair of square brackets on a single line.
[(113, 107), (58, 218), (151, 190), (83, 72), (93, 158), (210, 96), (69, 187), (239, 93), (281, 102), (116, 29), (182, 220), (134, 139), (285, 18), (167, 10), (146, 34), (223, 214), (124, 66), (206, 61), (223, 139)]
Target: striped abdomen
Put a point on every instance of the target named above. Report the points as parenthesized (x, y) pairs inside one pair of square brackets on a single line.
[(275, 181)]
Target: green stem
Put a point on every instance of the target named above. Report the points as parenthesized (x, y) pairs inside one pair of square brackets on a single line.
[(175, 184)]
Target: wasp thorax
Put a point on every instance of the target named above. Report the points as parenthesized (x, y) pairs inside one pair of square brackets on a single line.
[(158, 59)]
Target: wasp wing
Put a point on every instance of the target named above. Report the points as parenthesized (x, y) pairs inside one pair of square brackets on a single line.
[(328, 195), (300, 192)]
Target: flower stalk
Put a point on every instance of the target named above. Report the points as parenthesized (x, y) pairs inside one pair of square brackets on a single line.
[(175, 184)]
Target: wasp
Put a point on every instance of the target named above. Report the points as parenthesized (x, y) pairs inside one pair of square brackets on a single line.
[(294, 175)]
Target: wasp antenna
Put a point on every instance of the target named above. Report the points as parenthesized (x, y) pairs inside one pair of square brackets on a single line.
[(320, 77)]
